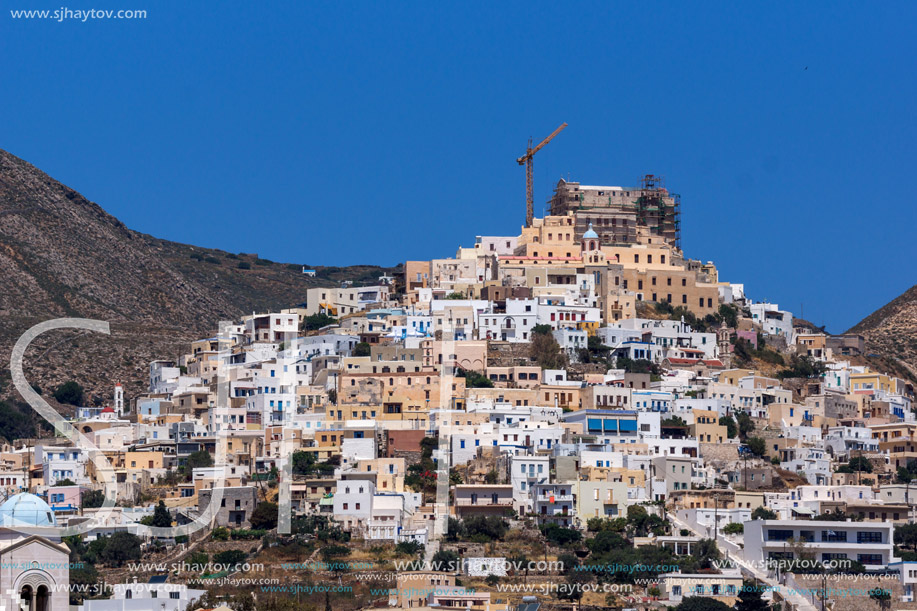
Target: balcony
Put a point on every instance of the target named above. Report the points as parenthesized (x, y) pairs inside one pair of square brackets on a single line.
[(483, 502), (556, 498)]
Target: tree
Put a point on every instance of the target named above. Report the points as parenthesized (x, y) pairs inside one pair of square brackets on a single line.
[(545, 351), (14, 422), (455, 296), (361, 349), (446, 560), (728, 314), (200, 459), (674, 421), (121, 547), (881, 595), (606, 541), (734, 528), (574, 589), (230, 557), (83, 580), (303, 463), (70, 393), (731, 428), (756, 445), (702, 603), (705, 552), (264, 517), (906, 535), (408, 548), (473, 379), (65, 482), (92, 498), (803, 367), (317, 321), (750, 598), (746, 424), (161, 516), (859, 464), (542, 330), (763, 513), (558, 535)]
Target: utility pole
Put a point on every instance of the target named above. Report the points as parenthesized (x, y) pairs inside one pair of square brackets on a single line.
[(746, 469), (716, 517)]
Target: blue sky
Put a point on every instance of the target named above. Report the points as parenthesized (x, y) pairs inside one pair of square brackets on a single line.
[(353, 132)]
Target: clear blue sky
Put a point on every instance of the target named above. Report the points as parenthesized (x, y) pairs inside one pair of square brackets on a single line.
[(357, 132)]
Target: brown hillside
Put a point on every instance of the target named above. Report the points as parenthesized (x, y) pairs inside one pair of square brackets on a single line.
[(62, 255), (891, 331)]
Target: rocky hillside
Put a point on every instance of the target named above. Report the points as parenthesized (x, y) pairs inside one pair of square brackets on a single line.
[(891, 331), (62, 255)]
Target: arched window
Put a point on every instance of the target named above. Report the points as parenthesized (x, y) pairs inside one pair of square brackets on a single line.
[(25, 598), (42, 599)]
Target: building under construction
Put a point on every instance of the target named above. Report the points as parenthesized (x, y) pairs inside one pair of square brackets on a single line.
[(621, 215)]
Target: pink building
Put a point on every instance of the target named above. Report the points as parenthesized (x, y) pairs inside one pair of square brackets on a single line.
[(751, 336), (64, 498)]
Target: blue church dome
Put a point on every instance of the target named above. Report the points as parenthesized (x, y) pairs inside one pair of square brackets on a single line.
[(590, 233), (26, 510)]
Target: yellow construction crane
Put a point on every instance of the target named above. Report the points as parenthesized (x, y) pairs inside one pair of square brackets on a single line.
[(527, 161)]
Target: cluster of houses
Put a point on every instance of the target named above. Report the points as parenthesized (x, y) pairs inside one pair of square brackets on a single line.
[(438, 366)]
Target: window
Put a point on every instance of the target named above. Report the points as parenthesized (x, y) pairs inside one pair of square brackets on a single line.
[(869, 537), (834, 535), (779, 535), (869, 558)]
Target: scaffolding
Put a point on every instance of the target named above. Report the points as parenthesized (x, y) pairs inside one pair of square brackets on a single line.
[(659, 210)]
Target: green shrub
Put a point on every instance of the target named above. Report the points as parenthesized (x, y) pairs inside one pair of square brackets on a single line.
[(334, 551), (70, 393), (245, 265), (220, 534), (230, 557)]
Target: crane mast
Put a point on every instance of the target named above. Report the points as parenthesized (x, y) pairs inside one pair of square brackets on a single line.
[(526, 160)]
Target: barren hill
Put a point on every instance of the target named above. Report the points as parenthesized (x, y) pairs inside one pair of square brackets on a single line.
[(62, 255), (891, 331)]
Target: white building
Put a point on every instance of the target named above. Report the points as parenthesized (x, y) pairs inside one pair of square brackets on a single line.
[(869, 543), (773, 320)]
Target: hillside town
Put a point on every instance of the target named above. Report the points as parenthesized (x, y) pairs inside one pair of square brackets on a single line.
[(575, 417)]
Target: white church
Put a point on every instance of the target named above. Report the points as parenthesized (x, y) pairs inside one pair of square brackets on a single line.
[(34, 564)]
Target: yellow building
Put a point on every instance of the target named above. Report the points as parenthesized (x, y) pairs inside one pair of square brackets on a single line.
[(707, 427), (871, 381)]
